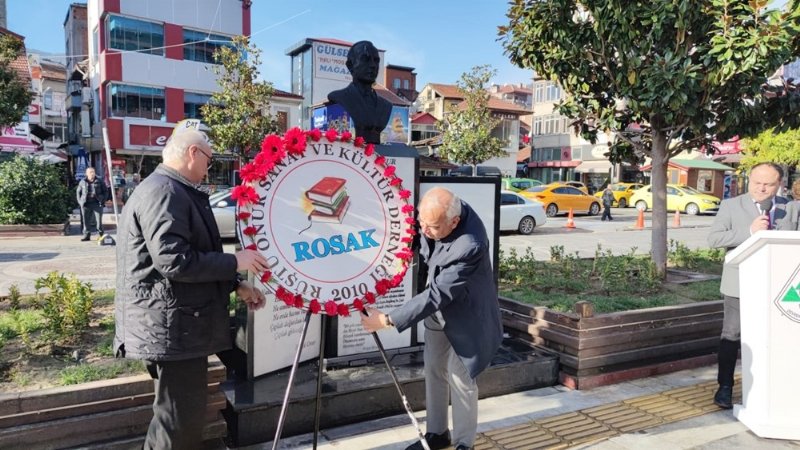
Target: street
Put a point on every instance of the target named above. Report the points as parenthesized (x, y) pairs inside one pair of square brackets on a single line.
[(23, 259)]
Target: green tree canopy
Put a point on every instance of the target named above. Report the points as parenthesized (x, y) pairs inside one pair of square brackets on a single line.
[(663, 75), (15, 95), (32, 192), (780, 148), (238, 115), (467, 128)]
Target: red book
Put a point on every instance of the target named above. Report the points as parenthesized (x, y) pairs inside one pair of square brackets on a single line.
[(326, 190)]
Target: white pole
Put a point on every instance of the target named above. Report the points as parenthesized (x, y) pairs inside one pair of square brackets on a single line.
[(110, 175)]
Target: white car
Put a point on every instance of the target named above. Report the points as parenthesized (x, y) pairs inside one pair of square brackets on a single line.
[(519, 213), (224, 210)]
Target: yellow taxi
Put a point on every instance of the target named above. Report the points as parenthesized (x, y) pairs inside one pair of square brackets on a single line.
[(576, 184), (679, 197), (559, 198), (622, 193)]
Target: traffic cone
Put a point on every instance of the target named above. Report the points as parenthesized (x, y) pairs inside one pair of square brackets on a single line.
[(676, 220), (570, 221), (640, 221)]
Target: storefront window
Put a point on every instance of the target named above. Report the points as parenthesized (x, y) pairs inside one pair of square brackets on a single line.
[(201, 46), (137, 35), (705, 180), (137, 101)]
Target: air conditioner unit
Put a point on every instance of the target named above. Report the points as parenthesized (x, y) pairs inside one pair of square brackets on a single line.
[(86, 95), (86, 124)]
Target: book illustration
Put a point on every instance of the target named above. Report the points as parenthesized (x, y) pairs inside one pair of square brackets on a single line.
[(329, 201)]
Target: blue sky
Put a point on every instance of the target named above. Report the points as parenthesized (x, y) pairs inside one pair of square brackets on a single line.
[(441, 39)]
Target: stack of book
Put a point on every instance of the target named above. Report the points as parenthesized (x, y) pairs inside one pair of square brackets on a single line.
[(329, 199)]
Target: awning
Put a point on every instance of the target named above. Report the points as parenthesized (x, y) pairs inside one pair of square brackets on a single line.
[(535, 164), (16, 144), (41, 133), (593, 167)]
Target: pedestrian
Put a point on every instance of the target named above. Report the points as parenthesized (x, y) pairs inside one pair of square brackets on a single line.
[(461, 316), (92, 195), (796, 190), (608, 200), (737, 219), (173, 286)]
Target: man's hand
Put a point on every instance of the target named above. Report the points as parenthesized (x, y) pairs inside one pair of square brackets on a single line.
[(375, 321), (253, 298), (250, 260), (761, 223)]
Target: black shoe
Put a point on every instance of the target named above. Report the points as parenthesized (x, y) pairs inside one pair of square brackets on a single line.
[(86, 238), (101, 234), (435, 441), (724, 397)]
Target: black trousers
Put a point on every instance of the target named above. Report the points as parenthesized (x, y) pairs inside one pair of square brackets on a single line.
[(92, 216), (606, 213), (179, 409)]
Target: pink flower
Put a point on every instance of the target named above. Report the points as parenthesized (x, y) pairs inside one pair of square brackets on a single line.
[(331, 136), (358, 305), (404, 194), (314, 305), (250, 231), (369, 150), (380, 160), (244, 215), (315, 135), (266, 276), (407, 209), (396, 181), (369, 297), (388, 171), (343, 310), (359, 142), (346, 136), (295, 141), (330, 308)]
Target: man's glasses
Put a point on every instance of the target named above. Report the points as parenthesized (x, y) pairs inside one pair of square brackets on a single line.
[(209, 155)]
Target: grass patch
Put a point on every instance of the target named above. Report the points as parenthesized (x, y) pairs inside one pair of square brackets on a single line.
[(85, 373), (15, 322)]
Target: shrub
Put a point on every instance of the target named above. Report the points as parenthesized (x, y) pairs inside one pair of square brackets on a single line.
[(707, 260), (66, 307), (32, 192)]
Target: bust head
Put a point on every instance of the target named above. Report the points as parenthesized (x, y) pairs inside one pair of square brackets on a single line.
[(363, 62)]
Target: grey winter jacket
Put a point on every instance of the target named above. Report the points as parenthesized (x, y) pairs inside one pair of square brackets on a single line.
[(100, 191), (173, 279)]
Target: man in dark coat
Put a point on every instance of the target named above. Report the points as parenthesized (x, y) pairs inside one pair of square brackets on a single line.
[(173, 285), (92, 194), (462, 317)]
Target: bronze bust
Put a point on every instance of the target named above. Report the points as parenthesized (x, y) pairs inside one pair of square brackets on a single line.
[(369, 111)]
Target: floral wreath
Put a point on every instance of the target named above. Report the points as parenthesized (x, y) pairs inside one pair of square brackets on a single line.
[(274, 149)]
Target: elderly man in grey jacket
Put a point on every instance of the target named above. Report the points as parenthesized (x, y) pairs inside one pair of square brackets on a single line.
[(461, 315), (738, 218), (173, 285)]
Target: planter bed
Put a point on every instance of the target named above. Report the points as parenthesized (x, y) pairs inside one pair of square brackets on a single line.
[(54, 229), (606, 348), (105, 414)]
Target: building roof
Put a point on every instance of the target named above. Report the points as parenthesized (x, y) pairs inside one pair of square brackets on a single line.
[(427, 162), (447, 90), (508, 88), (284, 94), (53, 70), (390, 96), (497, 105), (20, 65), (423, 118), (403, 68)]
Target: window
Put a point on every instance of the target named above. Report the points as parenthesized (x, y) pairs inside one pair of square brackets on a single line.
[(396, 83), (405, 84), (95, 43), (136, 35), (705, 180), (508, 199), (136, 101), (201, 46), (282, 120), (504, 130), (192, 103)]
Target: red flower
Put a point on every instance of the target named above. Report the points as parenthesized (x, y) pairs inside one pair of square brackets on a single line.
[(404, 194), (272, 144), (266, 276), (406, 240), (380, 160), (330, 308), (314, 305), (281, 293), (244, 195), (369, 150), (407, 209), (395, 181), (250, 231), (288, 300), (295, 141), (343, 310), (298, 301), (358, 304), (396, 280), (331, 135), (251, 247), (244, 215), (410, 220), (388, 171), (369, 297), (404, 254), (249, 173), (382, 286), (315, 135), (359, 142), (411, 231), (346, 136)]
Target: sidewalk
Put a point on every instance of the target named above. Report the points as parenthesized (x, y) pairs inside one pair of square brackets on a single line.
[(505, 420)]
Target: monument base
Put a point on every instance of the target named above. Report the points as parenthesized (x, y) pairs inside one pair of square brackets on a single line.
[(763, 427), (356, 394)]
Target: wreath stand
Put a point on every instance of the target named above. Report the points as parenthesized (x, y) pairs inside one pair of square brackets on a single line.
[(318, 402)]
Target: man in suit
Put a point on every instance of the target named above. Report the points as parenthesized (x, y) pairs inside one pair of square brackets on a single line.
[(369, 111), (461, 313), (92, 194), (738, 218)]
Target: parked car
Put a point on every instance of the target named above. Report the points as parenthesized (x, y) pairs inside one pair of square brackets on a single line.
[(224, 209), (680, 198), (576, 184), (559, 198), (518, 184), (483, 171), (622, 193), (519, 213)]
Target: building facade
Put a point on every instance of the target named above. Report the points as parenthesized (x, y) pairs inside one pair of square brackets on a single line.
[(150, 66), (402, 81)]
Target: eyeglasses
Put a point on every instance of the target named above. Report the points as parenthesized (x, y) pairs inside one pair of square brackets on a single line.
[(209, 155)]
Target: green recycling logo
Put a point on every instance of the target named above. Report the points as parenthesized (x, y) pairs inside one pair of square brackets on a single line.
[(789, 299)]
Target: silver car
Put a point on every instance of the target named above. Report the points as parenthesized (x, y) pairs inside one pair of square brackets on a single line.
[(519, 213), (224, 210)]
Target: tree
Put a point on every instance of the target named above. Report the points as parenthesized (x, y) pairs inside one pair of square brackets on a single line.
[(467, 127), (32, 192), (238, 115), (769, 146), (15, 95), (664, 76)]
